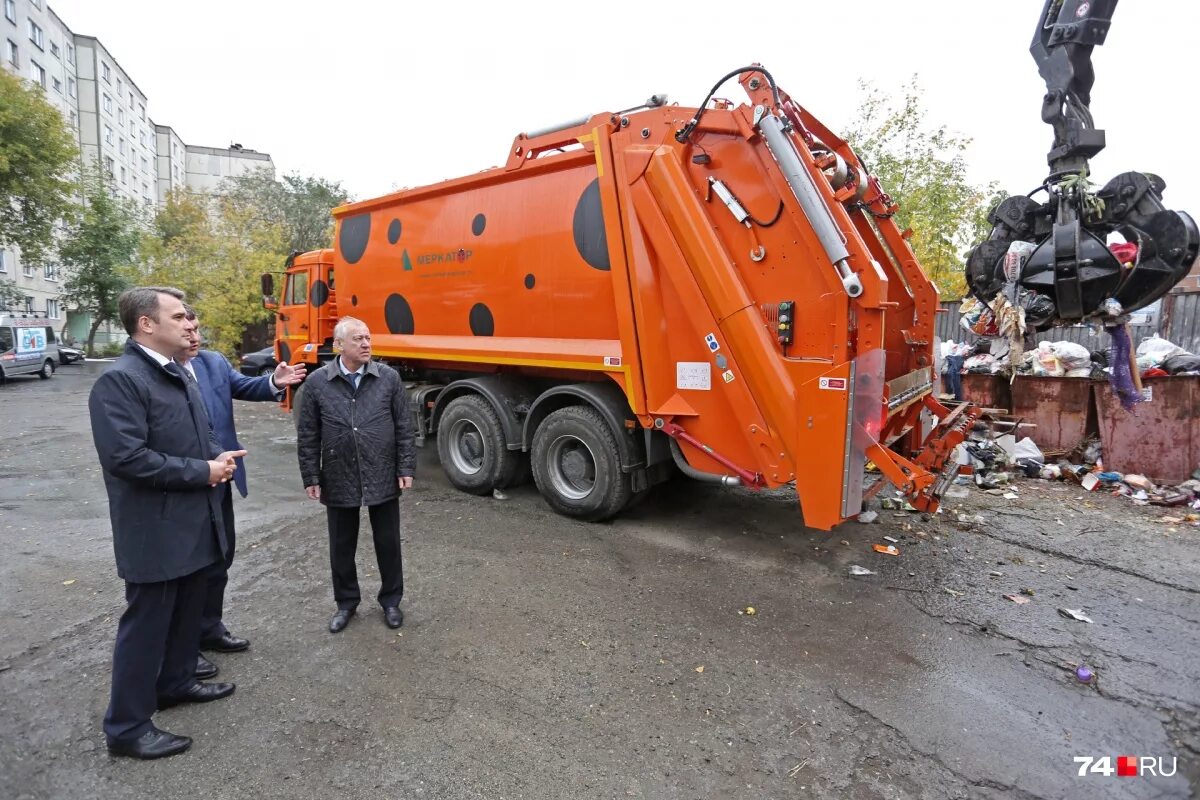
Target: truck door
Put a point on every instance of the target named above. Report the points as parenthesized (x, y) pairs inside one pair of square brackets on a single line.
[(295, 318)]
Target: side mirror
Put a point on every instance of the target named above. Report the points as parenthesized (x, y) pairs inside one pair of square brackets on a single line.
[(268, 284)]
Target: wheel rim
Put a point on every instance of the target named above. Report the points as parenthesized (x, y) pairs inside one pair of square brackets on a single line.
[(468, 448), (572, 467), (266, 371)]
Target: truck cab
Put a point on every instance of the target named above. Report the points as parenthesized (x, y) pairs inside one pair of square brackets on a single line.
[(306, 308)]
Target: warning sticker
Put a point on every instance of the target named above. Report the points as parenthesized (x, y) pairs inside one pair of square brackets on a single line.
[(837, 384), (712, 343), (727, 375), (612, 361), (693, 375)]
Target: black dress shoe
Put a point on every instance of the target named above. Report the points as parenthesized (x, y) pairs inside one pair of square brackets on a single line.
[(340, 619), (198, 693), (225, 643), (205, 669), (151, 744), (393, 616)]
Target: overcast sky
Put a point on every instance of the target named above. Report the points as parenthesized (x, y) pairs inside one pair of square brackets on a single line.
[(382, 95)]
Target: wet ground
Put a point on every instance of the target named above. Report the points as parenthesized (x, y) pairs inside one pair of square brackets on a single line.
[(544, 658)]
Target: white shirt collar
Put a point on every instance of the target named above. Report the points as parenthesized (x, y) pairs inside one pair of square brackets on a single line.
[(157, 356), (342, 368)]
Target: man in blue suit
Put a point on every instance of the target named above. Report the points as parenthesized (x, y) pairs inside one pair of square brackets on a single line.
[(220, 384)]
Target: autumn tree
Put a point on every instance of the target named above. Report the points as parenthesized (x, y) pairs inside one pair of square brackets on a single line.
[(98, 251), (301, 205), (38, 159), (924, 169)]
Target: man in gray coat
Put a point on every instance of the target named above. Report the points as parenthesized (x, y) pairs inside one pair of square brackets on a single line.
[(354, 438)]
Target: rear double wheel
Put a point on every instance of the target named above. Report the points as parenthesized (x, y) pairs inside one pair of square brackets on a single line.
[(472, 447), (577, 466)]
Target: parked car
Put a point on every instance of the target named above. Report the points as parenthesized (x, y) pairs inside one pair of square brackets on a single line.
[(69, 355), (260, 362)]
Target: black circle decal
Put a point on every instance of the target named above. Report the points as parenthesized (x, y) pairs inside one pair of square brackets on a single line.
[(285, 352), (394, 231), (481, 320), (353, 299), (529, 281), (588, 227), (398, 315), (318, 294), (478, 224), (353, 235)]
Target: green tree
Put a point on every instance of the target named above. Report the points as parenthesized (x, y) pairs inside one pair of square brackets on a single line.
[(214, 249), (98, 251), (38, 157), (924, 169), (11, 295), (299, 204)]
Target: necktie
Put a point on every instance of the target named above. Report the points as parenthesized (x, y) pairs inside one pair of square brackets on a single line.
[(353, 376)]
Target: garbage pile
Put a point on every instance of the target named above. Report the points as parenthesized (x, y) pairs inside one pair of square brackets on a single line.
[(993, 464)]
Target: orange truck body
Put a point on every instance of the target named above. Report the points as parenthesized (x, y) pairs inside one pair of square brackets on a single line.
[(681, 289)]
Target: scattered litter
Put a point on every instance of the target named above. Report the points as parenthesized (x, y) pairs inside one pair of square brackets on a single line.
[(958, 492), (1090, 481), (1138, 482), (1010, 496), (749, 611), (68, 583), (868, 516), (996, 573), (1084, 674), (1075, 614), (1016, 598), (887, 550), (952, 592), (891, 539), (499, 494), (700, 668), (896, 504), (855, 569), (1027, 592), (1170, 520)]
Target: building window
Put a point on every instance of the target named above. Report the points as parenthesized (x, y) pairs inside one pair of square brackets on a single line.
[(142, 111), (57, 85), (54, 51), (108, 134), (124, 176), (51, 308), (71, 87), (27, 269), (120, 86), (121, 146), (3, 261), (28, 304), (120, 116), (50, 272), (145, 165), (132, 102), (37, 73), (35, 35), (106, 72), (106, 103), (36, 4), (74, 119), (10, 11), (13, 57), (108, 166), (71, 54)]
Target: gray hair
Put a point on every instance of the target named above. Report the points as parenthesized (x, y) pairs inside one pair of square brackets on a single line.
[(344, 325), (142, 301)]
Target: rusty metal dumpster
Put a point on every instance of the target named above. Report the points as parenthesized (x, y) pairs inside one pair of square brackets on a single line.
[(1159, 438), (989, 391), (1061, 409)]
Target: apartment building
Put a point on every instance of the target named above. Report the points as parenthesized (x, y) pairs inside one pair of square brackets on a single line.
[(108, 114)]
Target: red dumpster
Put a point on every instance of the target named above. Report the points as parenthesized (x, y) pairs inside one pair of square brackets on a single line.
[(1159, 438), (1061, 408), (989, 391)]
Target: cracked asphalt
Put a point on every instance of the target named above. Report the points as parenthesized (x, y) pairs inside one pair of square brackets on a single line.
[(544, 658)]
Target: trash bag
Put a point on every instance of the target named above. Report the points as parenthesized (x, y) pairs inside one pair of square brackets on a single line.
[(1072, 356), (1039, 309), (1154, 350), (1181, 362)]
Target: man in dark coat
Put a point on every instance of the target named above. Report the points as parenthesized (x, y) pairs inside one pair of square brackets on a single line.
[(162, 470), (354, 437), (220, 384)]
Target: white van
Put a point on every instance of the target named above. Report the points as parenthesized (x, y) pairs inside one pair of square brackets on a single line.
[(27, 346)]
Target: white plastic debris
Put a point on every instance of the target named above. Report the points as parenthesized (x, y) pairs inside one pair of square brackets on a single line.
[(868, 516), (856, 570), (1075, 614)]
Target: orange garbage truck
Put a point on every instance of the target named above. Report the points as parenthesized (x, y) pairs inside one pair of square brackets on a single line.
[(720, 290)]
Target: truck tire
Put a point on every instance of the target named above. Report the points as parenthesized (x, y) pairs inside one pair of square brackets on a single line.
[(472, 448), (47, 370), (577, 466)]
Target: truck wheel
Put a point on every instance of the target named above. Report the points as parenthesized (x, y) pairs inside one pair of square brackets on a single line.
[(472, 447), (577, 466), (47, 370)]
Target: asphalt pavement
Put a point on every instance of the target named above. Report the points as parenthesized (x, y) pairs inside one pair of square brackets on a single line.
[(546, 658)]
